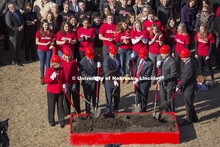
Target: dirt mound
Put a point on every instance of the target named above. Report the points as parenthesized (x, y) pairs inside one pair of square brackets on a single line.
[(124, 123)]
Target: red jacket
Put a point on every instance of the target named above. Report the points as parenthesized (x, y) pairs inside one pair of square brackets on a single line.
[(70, 71), (53, 85)]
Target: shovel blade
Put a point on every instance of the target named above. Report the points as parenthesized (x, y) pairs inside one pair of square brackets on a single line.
[(97, 112), (136, 107)]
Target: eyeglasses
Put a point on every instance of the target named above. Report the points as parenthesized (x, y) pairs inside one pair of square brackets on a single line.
[(205, 11)]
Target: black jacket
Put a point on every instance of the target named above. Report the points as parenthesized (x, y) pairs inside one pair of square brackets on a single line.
[(209, 23)]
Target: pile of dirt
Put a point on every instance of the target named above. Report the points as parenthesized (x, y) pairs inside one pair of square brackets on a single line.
[(108, 123)]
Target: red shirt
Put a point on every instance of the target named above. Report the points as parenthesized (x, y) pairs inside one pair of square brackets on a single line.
[(119, 37), (108, 31), (135, 35), (88, 33), (45, 39), (203, 46), (170, 34), (147, 24), (53, 85), (70, 71), (181, 42), (155, 47), (68, 37)]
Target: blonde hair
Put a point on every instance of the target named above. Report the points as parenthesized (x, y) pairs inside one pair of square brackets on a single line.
[(64, 57), (120, 28), (205, 34), (183, 27), (161, 1), (137, 21)]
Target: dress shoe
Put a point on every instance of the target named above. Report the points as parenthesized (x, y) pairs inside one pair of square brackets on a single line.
[(52, 124), (62, 125), (16, 63), (195, 120), (185, 123), (154, 82), (42, 80)]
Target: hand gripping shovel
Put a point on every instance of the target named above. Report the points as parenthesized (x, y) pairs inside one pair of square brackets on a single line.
[(164, 105), (154, 114), (97, 110), (70, 101), (135, 107)]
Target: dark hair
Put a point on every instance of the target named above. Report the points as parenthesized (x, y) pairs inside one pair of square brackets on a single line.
[(66, 3), (62, 28), (28, 4), (195, 6), (151, 12), (42, 33), (95, 14), (85, 19), (168, 28)]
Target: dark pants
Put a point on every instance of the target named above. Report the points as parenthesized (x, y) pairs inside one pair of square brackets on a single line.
[(75, 100), (179, 64), (189, 100), (218, 52), (142, 97), (82, 54), (15, 44), (30, 47), (108, 94), (166, 95), (52, 99), (105, 51), (202, 60)]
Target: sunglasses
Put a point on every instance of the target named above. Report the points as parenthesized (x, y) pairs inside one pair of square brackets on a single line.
[(205, 11)]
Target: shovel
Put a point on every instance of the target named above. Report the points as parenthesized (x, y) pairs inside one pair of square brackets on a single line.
[(164, 105), (154, 114), (70, 101), (92, 110), (135, 107), (97, 110)]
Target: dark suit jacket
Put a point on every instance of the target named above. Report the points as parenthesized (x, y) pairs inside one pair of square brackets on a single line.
[(87, 70), (169, 71), (145, 72), (19, 4), (12, 22), (188, 76), (110, 65)]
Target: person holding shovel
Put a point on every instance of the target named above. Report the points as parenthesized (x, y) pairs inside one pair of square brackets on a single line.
[(71, 73), (53, 76), (168, 76), (89, 67), (189, 85), (111, 68), (143, 71)]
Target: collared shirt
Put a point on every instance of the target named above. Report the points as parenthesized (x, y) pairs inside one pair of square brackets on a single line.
[(140, 63), (166, 59), (187, 61)]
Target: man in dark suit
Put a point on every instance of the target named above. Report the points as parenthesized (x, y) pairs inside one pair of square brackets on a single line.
[(143, 69), (88, 68), (112, 63), (15, 24), (189, 85), (19, 5), (168, 78)]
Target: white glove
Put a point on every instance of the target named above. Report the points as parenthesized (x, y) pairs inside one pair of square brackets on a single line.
[(97, 78), (99, 64), (121, 72), (136, 81), (65, 87), (116, 83), (158, 63), (160, 79), (54, 75), (74, 87), (178, 90), (132, 55)]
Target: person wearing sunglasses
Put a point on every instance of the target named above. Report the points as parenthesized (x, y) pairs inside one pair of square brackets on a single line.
[(204, 17)]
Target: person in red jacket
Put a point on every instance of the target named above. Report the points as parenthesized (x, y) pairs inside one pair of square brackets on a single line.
[(204, 43), (53, 76), (66, 38), (151, 20), (106, 34), (45, 41), (123, 42), (71, 73), (86, 37), (156, 39), (181, 41), (139, 38)]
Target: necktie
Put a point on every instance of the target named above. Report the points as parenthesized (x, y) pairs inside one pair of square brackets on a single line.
[(16, 15), (139, 69)]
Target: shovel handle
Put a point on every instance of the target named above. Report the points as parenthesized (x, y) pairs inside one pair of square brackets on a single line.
[(158, 71), (174, 95), (81, 96), (134, 76), (97, 86)]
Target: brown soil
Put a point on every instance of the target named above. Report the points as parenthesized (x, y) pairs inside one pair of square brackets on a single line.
[(109, 123)]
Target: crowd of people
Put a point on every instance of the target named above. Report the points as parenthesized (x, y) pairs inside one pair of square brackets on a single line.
[(107, 35)]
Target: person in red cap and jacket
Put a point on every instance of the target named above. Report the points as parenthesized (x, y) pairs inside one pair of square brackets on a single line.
[(112, 63), (71, 73), (189, 85), (88, 67), (143, 71), (168, 76), (53, 76)]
